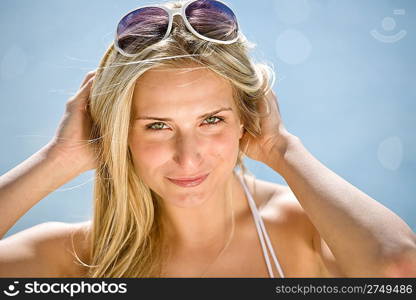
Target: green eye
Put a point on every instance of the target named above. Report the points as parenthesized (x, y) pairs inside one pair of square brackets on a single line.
[(155, 126), (213, 118)]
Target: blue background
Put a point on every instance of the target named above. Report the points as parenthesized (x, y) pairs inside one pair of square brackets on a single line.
[(349, 96)]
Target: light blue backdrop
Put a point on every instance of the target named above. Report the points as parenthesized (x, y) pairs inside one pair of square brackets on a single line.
[(346, 86)]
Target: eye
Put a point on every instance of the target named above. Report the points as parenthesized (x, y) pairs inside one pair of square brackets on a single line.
[(155, 126), (213, 118)]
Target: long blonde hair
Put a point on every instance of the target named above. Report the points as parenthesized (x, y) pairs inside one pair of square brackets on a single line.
[(126, 231)]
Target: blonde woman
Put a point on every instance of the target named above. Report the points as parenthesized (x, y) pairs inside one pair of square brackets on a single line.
[(165, 120)]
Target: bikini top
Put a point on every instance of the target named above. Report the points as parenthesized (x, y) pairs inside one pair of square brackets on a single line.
[(262, 233)]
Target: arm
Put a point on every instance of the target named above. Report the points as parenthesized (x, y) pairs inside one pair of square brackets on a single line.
[(25, 185), (354, 234), (365, 237), (65, 157), (45, 250), (39, 250)]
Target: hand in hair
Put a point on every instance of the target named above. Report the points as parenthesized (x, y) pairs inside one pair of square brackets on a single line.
[(71, 141), (273, 133)]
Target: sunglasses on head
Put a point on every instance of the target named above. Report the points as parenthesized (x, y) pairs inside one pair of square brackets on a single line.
[(210, 20)]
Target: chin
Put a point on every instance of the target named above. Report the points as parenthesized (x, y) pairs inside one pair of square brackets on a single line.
[(188, 200)]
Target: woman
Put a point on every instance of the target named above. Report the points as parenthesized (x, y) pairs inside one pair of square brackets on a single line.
[(165, 120)]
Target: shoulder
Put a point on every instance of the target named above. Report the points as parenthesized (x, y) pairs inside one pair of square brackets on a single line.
[(276, 201), (72, 246), (279, 206), (47, 249), (283, 209), (263, 190), (76, 248)]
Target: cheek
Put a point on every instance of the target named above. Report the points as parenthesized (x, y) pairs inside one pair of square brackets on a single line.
[(224, 146), (148, 155)]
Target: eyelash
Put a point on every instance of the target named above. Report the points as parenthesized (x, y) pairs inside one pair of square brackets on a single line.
[(149, 127)]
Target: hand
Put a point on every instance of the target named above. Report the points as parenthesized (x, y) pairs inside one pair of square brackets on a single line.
[(273, 133), (71, 141)]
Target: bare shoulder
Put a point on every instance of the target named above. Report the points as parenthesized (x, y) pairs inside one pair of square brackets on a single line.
[(44, 250), (283, 211), (77, 247), (278, 203), (71, 246), (263, 190)]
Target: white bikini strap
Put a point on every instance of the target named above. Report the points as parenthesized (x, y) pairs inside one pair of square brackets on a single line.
[(261, 229), (269, 244)]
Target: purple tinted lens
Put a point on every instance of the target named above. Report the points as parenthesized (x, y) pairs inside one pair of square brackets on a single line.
[(142, 27), (212, 19)]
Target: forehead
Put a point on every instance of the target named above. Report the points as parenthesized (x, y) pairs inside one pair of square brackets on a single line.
[(192, 88)]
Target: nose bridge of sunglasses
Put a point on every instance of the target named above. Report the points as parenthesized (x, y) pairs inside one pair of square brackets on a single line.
[(176, 11)]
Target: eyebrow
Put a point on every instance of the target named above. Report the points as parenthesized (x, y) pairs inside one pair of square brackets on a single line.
[(168, 119)]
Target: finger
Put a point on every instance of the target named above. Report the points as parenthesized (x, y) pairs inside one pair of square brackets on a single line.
[(88, 77), (264, 106), (272, 102), (83, 93)]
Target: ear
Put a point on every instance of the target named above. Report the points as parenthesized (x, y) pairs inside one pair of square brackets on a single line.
[(241, 131)]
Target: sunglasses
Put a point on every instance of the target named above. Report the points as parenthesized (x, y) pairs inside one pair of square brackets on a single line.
[(210, 20)]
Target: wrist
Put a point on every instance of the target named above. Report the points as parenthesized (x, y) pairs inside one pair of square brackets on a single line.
[(62, 160), (284, 142)]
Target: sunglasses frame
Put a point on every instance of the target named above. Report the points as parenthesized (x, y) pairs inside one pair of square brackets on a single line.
[(171, 13)]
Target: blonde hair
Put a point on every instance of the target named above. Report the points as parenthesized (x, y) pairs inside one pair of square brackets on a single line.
[(126, 234)]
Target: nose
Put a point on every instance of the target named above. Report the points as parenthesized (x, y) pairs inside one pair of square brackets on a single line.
[(187, 153)]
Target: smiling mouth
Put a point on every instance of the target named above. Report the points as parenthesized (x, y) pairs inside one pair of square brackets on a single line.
[(188, 182)]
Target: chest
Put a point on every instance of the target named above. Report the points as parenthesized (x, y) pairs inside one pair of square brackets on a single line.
[(244, 255)]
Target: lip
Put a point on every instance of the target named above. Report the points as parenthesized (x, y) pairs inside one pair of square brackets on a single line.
[(189, 182)]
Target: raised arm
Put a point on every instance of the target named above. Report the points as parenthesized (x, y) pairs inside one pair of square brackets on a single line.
[(365, 237), (28, 183), (62, 159), (66, 156)]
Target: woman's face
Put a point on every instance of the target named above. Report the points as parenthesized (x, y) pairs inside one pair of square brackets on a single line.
[(185, 125)]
